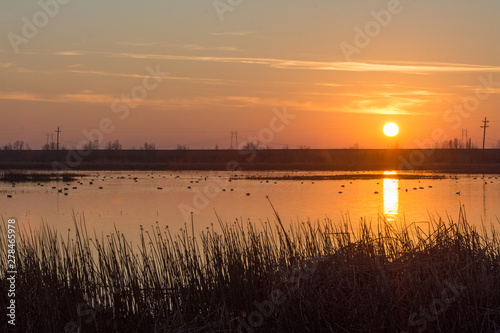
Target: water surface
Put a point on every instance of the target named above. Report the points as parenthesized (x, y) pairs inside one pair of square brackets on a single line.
[(130, 199)]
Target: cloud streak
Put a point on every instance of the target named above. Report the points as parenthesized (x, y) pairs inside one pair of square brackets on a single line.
[(398, 67)]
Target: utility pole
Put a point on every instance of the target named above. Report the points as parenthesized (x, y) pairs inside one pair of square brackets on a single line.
[(57, 131), (231, 146), (485, 127), (236, 135)]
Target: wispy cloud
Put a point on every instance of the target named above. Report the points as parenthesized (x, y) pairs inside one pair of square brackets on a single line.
[(330, 84), (139, 44), (375, 66), (71, 53), (408, 68), (178, 78), (233, 33), (84, 97), (21, 96), (12, 67), (74, 98), (197, 47), (369, 105)]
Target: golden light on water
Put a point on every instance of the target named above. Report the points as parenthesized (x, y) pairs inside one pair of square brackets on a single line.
[(391, 196)]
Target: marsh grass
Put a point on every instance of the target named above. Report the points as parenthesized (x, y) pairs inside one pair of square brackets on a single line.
[(378, 277), (17, 176)]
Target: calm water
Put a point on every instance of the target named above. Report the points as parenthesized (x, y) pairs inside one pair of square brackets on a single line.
[(166, 197)]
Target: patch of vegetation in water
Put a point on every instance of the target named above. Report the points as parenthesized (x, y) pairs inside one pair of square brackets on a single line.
[(18, 176)]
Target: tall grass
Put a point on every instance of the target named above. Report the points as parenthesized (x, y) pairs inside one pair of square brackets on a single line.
[(334, 278)]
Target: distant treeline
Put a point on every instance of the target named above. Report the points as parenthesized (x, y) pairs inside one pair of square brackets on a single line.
[(454, 160)]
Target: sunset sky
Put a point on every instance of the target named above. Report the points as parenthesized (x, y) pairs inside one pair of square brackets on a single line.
[(342, 68)]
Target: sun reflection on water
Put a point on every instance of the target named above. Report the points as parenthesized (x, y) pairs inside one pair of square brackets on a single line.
[(391, 196)]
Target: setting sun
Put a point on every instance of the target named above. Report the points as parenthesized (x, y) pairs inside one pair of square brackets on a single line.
[(391, 129)]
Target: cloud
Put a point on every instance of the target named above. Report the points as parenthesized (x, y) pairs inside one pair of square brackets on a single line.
[(21, 96), (215, 48), (84, 97), (178, 78), (71, 53), (233, 33), (139, 44), (398, 67), (375, 66), (329, 84)]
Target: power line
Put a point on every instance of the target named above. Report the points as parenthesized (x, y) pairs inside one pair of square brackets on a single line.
[(57, 131), (485, 127)]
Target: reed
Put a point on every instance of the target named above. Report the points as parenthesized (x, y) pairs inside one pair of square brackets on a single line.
[(330, 277)]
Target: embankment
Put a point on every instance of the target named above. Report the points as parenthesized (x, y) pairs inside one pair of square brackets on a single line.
[(449, 160)]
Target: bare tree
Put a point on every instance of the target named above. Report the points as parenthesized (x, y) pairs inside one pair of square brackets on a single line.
[(91, 145), (49, 146), (148, 146), (113, 145), (252, 145), (17, 145)]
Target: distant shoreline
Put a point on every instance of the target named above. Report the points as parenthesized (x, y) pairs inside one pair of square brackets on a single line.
[(344, 177), (442, 160)]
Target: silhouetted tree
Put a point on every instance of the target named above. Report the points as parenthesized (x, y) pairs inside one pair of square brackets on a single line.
[(113, 145), (252, 145), (455, 144), (148, 146), (17, 145), (91, 145), (49, 146)]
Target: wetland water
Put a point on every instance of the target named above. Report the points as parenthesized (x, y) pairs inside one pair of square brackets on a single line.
[(129, 199)]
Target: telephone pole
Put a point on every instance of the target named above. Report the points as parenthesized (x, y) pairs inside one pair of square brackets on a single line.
[(57, 131), (484, 132)]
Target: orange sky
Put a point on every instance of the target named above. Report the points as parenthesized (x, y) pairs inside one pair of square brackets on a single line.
[(343, 69)]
